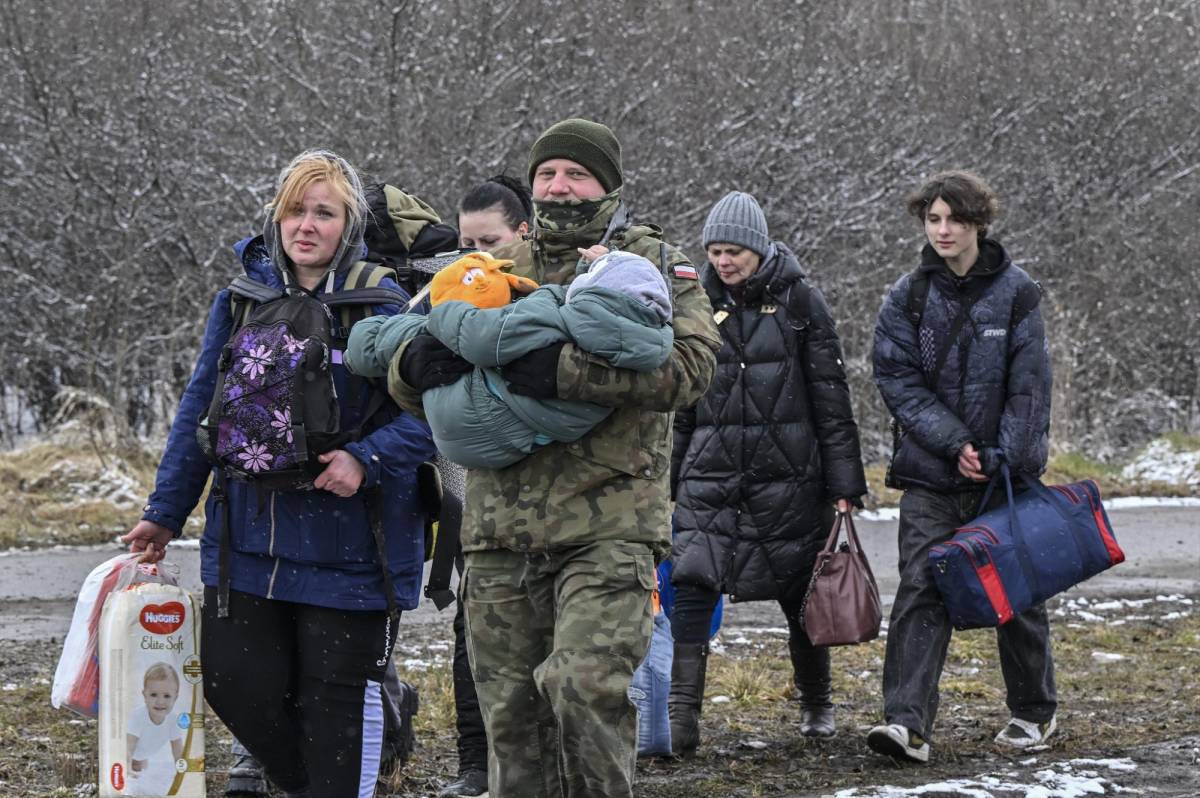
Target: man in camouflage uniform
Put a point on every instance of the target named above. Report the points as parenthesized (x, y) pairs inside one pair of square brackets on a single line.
[(561, 547)]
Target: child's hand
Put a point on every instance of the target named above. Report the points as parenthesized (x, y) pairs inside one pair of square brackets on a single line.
[(137, 765), (592, 253)]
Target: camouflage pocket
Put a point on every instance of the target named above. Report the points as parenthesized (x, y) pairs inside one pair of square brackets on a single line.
[(491, 586), (644, 565)]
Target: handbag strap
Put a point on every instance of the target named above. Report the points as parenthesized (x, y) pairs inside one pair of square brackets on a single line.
[(831, 541), (830, 544), (855, 546)]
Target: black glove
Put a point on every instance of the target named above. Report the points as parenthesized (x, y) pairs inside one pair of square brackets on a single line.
[(535, 374), (428, 363)]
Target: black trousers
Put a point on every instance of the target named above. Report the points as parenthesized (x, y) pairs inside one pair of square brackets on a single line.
[(919, 632), (300, 687), (472, 737)]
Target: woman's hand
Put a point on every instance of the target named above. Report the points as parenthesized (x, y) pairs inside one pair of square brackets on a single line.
[(343, 474), (150, 539), (844, 506)]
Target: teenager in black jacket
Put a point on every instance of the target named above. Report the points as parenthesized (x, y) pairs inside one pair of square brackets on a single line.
[(963, 407), (761, 461)]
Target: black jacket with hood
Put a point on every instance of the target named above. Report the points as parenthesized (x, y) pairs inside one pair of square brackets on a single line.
[(759, 460), (993, 389)]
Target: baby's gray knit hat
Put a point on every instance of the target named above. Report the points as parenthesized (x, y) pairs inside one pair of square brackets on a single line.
[(737, 219), (629, 274)]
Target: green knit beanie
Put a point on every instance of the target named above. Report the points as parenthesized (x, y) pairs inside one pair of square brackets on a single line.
[(589, 144)]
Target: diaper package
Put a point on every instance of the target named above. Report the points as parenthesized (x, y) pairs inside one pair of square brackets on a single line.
[(151, 720), (77, 678)]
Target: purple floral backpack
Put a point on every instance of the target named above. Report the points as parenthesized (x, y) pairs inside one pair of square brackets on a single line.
[(275, 407)]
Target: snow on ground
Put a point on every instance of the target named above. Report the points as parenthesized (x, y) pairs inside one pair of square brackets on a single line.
[(111, 484), (1135, 502), (1161, 462), (1074, 779), (1118, 611)]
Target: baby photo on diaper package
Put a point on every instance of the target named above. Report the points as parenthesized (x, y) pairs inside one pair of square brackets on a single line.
[(151, 703)]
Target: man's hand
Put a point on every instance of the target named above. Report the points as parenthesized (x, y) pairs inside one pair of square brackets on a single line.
[(592, 253), (150, 539), (969, 465), (534, 374), (844, 506), (428, 363), (343, 474)]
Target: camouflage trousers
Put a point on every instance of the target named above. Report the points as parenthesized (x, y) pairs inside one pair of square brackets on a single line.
[(553, 641)]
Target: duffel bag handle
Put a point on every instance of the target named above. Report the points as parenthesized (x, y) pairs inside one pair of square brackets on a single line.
[(1014, 523), (1032, 483), (1005, 475)]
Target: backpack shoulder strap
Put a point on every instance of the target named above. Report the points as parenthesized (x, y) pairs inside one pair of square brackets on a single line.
[(967, 301), (361, 291), (244, 294), (1028, 297), (918, 293), (796, 301)]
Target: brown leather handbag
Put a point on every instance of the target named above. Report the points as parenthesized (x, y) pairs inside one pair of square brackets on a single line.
[(841, 606)]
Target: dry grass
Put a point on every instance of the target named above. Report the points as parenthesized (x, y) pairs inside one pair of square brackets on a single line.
[(71, 492)]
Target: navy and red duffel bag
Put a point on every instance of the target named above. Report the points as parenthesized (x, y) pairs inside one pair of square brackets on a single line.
[(1045, 540)]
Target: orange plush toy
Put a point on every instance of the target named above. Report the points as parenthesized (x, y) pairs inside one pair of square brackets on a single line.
[(479, 279)]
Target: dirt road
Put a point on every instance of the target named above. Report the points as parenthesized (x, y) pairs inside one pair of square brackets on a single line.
[(1162, 547)]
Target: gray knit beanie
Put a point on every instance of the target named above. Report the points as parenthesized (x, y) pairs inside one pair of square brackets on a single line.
[(737, 219), (628, 274)]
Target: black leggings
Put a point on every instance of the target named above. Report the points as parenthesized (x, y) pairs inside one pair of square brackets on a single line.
[(300, 686), (691, 617)]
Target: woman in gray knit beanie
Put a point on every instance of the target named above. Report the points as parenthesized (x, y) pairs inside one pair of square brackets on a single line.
[(762, 461)]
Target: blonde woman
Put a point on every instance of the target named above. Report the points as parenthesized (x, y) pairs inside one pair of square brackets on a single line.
[(295, 668)]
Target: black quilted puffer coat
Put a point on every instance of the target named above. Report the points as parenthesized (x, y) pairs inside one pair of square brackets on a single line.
[(994, 386), (771, 445)]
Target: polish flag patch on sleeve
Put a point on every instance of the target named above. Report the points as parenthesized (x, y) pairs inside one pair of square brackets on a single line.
[(686, 271)]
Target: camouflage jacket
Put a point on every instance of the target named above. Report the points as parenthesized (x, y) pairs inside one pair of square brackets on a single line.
[(612, 484)]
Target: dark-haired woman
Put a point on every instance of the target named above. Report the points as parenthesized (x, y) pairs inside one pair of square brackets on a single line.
[(494, 213), (966, 374), (490, 215)]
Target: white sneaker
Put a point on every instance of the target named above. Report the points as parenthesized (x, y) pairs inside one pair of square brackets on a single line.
[(1024, 733), (898, 741)]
